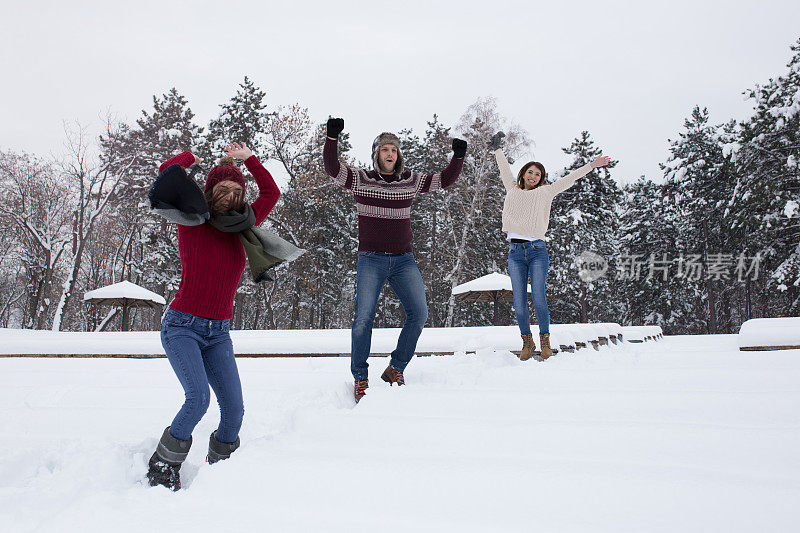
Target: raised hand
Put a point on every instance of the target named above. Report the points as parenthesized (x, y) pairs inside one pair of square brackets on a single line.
[(335, 127), (459, 148), (496, 141), (238, 151), (601, 161)]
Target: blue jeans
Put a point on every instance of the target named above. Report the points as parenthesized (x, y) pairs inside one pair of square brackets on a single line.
[(374, 269), (529, 261), (201, 353)]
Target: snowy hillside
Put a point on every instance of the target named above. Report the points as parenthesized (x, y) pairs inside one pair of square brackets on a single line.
[(684, 434)]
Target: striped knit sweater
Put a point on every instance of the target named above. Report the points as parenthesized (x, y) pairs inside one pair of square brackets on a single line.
[(527, 212), (212, 261), (384, 202)]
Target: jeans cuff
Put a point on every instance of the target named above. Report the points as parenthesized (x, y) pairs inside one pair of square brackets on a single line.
[(397, 366)]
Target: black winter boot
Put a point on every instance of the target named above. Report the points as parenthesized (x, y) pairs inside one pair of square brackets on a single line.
[(218, 451), (165, 464)]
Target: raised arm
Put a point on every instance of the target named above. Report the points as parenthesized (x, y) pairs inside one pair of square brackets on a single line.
[(341, 173), (268, 192), (569, 180), (448, 176), (184, 159), (495, 144), (505, 169)]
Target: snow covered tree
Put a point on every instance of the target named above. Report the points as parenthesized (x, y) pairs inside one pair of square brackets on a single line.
[(316, 290), (93, 184), (765, 202), (699, 178), (35, 209), (648, 290), (243, 119), (149, 249), (472, 242), (429, 154), (583, 218)]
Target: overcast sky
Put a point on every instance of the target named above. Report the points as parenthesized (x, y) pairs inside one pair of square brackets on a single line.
[(629, 72)]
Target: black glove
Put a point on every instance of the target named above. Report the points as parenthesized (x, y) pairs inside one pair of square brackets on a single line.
[(335, 127), (459, 148), (496, 141)]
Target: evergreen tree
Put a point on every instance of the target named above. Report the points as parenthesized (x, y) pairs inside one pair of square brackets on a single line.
[(243, 119), (151, 253), (583, 218), (648, 230), (765, 203), (432, 153), (318, 215), (699, 179)]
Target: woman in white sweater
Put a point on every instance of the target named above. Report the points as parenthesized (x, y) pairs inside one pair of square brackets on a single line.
[(526, 216)]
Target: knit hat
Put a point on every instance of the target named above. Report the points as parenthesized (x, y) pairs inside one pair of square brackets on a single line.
[(387, 138), (225, 170)]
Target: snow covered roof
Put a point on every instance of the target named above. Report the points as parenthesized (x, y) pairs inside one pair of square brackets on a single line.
[(114, 294), (489, 282), (486, 288)]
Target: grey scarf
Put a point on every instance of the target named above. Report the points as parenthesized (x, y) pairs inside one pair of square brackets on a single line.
[(263, 248)]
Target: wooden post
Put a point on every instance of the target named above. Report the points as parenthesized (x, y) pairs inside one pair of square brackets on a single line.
[(124, 326)]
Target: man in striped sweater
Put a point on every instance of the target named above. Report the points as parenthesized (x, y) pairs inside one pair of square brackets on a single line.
[(383, 198)]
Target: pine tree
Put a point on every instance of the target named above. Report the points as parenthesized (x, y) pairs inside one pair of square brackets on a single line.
[(429, 154), (243, 119), (150, 251), (583, 218), (648, 231), (318, 215), (699, 179), (765, 204)]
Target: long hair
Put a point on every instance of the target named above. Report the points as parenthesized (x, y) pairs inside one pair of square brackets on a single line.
[(213, 200), (524, 169)]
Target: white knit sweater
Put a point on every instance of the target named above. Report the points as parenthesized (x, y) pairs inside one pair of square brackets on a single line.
[(527, 212)]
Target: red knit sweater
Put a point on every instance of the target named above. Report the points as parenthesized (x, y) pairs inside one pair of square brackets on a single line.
[(384, 202), (212, 261)]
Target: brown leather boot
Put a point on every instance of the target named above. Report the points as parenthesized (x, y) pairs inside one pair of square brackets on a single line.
[(392, 376), (360, 388), (544, 340), (527, 347)]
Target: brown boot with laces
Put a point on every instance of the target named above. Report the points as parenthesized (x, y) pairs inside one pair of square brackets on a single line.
[(360, 389), (527, 347), (392, 376), (544, 340)]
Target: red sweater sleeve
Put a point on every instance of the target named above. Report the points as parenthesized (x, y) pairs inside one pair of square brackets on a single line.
[(341, 174), (184, 159), (268, 192), (445, 178)]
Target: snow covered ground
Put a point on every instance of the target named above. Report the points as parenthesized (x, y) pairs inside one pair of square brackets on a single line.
[(684, 434), (299, 341)]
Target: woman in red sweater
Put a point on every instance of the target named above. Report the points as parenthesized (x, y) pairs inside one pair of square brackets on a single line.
[(195, 327)]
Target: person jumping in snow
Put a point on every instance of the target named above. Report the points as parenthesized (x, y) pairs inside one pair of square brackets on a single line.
[(194, 331), (526, 216), (383, 199)]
